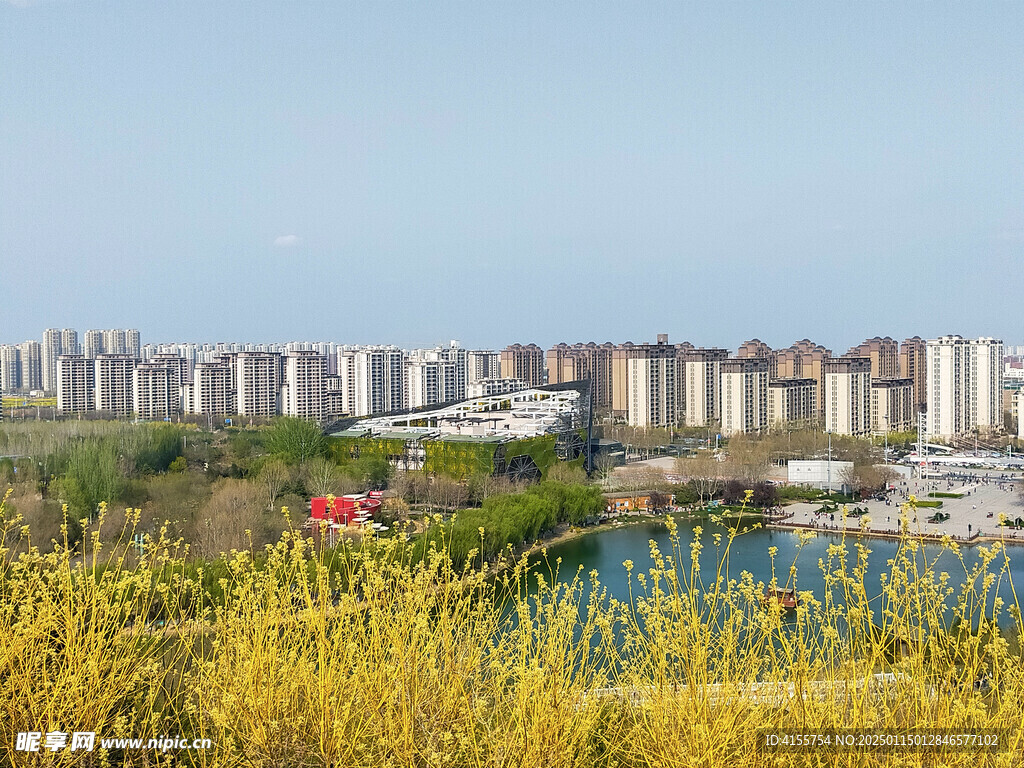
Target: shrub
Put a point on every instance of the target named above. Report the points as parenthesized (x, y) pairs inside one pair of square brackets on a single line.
[(365, 655)]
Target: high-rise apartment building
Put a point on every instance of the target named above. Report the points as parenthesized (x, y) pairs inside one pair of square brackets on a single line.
[(1018, 405), (757, 348), (792, 403), (884, 355), (156, 388), (113, 383), (69, 342), (525, 362), (435, 376), (848, 395), (744, 395), (805, 360), (75, 384), (56, 342), (10, 368), (652, 389), (213, 389), (302, 394), (584, 362), (372, 379), (52, 348), (114, 342), (31, 355), (133, 342), (482, 364), (645, 383), (964, 384), (257, 383), (175, 361), (92, 344), (424, 382), (913, 366), (892, 405), (701, 369)]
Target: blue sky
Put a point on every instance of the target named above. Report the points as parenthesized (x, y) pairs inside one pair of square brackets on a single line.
[(415, 172)]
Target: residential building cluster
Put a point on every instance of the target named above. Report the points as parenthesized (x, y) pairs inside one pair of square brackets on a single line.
[(113, 373), (880, 385), (956, 386)]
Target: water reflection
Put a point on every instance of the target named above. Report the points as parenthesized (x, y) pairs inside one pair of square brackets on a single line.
[(606, 550)]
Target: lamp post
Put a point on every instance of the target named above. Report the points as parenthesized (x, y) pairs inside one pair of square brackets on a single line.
[(886, 419), (830, 463)]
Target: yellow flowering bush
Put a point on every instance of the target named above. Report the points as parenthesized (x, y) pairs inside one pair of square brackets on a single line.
[(364, 655)]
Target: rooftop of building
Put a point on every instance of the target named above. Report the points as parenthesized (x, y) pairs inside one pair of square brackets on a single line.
[(526, 413)]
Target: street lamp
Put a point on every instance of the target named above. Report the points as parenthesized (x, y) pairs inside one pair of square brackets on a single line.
[(830, 463)]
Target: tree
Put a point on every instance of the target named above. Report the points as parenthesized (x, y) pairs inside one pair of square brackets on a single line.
[(635, 479), (704, 471), (93, 476), (748, 459), (566, 473), (321, 475), (867, 479), (659, 499), (446, 494), (604, 465), (295, 440), (234, 507), (369, 472), (411, 486), (272, 478)]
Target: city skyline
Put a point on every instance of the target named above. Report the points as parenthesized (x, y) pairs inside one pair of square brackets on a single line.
[(879, 385), (410, 171), (508, 339)]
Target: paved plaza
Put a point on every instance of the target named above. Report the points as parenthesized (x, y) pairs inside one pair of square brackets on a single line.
[(974, 517)]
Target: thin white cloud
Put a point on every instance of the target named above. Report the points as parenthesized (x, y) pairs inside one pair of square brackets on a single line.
[(287, 241)]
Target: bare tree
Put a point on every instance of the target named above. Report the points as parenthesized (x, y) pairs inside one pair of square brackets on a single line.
[(397, 507), (867, 478), (233, 508), (704, 471), (321, 475), (604, 465), (748, 460), (567, 473), (411, 486), (273, 477), (446, 494)]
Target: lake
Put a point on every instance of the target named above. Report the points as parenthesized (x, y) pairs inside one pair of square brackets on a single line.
[(606, 550)]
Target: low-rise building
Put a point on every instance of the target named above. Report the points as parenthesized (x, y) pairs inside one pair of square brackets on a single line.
[(820, 474)]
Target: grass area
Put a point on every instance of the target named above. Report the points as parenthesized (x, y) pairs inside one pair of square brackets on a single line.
[(945, 495), (927, 503), (369, 656)]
